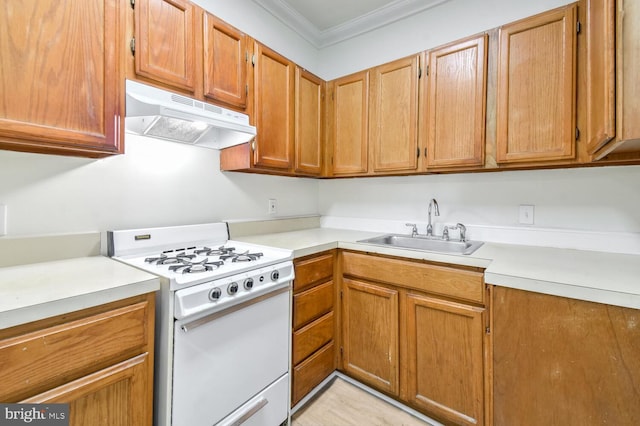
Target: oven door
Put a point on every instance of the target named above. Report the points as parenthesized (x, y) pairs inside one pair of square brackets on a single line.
[(225, 359)]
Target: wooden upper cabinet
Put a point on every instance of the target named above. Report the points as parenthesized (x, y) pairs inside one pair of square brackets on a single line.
[(600, 72), (165, 42), (455, 103), (225, 62), (393, 134), (274, 101), (350, 123), (309, 123), (612, 86), (62, 85), (536, 88)]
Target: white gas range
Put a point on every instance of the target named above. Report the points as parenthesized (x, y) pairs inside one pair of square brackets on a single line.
[(222, 324)]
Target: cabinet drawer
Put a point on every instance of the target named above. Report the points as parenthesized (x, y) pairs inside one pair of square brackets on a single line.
[(312, 371), (452, 282), (309, 339), (47, 358), (310, 304), (313, 270)]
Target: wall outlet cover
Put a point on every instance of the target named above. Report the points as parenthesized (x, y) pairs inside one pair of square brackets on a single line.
[(273, 206), (526, 213)]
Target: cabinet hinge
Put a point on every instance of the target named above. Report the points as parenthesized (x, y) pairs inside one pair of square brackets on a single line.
[(246, 56), (418, 149), (426, 70), (578, 27), (425, 152), (419, 72), (132, 45), (133, 4), (487, 330), (341, 351), (577, 133), (253, 60)]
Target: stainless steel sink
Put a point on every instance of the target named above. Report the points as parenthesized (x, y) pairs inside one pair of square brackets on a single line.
[(426, 244)]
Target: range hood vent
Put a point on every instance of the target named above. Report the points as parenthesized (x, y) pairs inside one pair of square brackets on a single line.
[(161, 114)]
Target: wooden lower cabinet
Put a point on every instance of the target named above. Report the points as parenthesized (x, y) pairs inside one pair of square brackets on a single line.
[(370, 334), (99, 361), (417, 332), (560, 361), (313, 328), (444, 355)]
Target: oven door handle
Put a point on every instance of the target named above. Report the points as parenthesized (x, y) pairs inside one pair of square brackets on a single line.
[(187, 327), (250, 412)]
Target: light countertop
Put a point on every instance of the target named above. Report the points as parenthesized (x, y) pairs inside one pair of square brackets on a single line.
[(40, 290), (586, 275)]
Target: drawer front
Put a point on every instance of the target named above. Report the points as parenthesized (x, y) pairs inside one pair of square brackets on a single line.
[(309, 339), (312, 371), (313, 303), (452, 282), (47, 358), (313, 270)]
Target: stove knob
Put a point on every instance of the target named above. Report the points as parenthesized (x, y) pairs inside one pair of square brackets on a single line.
[(233, 288), (248, 283), (275, 275), (215, 294)]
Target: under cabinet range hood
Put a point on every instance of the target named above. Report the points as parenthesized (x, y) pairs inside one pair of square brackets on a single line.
[(165, 115)]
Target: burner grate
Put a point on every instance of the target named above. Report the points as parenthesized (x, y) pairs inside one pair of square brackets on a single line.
[(163, 259), (196, 267), (241, 257)]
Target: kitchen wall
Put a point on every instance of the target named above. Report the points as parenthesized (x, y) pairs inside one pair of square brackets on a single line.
[(155, 183), (592, 208)]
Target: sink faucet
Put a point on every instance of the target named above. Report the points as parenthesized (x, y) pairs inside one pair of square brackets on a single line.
[(432, 203)]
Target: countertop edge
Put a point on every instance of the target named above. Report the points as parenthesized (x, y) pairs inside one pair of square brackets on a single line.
[(63, 306)]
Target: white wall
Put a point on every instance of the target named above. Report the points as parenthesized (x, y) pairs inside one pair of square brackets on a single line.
[(433, 27), (155, 183), (594, 199), (255, 21)]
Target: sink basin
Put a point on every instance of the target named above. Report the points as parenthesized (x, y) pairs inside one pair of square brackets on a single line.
[(423, 243)]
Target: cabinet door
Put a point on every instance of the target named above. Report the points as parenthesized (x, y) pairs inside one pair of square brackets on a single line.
[(62, 85), (225, 62), (370, 334), (350, 120), (273, 92), (560, 361), (536, 88), (309, 114), (445, 359), (455, 104), (115, 396), (394, 116), (600, 73), (165, 42)]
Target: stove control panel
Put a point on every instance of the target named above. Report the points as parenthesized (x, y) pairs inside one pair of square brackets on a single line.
[(219, 294)]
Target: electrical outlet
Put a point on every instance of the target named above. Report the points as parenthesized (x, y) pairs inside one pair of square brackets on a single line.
[(273, 206), (525, 215), (3, 219)]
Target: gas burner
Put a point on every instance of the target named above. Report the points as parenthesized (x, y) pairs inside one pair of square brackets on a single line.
[(241, 257), (163, 259), (206, 251), (195, 267)]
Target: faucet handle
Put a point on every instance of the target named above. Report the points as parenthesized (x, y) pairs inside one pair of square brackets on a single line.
[(445, 233), (414, 229)]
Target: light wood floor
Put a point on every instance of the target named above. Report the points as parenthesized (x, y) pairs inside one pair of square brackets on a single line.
[(343, 404)]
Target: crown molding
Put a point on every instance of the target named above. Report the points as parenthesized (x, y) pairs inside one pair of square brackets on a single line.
[(392, 12)]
